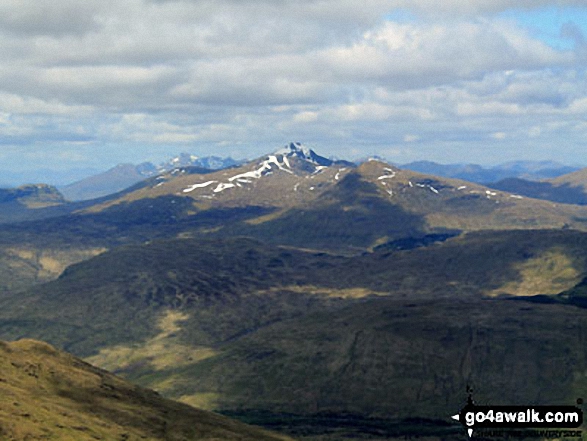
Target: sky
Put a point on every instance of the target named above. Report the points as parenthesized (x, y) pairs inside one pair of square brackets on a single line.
[(95, 83)]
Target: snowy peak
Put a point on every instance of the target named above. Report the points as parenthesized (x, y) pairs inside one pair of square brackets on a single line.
[(298, 150), (293, 169), (184, 159), (189, 160)]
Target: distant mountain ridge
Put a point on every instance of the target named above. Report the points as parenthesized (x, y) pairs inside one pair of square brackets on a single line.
[(570, 188), (530, 170), (300, 198), (123, 176)]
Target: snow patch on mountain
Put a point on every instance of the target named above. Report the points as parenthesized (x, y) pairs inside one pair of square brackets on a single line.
[(280, 161), (189, 160), (222, 187), (202, 185)]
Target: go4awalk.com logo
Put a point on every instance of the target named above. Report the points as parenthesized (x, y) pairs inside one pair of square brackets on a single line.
[(517, 417)]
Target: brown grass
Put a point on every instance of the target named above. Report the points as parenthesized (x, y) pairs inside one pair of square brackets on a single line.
[(47, 394)]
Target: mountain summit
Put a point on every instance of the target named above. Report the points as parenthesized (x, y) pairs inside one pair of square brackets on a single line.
[(298, 150), (189, 160)]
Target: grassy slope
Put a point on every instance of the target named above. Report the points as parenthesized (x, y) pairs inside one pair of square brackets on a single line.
[(486, 262), (385, 359), (47, 394), (575, 179), (392, 358)]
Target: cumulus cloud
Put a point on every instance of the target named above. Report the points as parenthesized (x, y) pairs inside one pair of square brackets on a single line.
[(227, 72), (33, 18)]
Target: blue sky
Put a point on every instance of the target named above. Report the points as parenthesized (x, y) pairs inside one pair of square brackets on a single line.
[(483, 81), (555, 26)]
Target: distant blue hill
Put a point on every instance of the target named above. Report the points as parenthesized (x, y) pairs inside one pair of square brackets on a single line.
[(529, 170)]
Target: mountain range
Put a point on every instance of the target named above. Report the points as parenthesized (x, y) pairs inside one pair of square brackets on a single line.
[(92, 185), (567, 189), (123, 176), (528, 170), (319, 298)]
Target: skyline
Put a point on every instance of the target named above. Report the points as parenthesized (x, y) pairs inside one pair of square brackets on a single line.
[(141, 80)]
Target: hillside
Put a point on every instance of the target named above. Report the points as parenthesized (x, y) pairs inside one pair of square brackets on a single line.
[(392, 360), (239, 326), (574, 179), (36, 201), (127, 290), (48, 394), (234, 285), (111, 181)]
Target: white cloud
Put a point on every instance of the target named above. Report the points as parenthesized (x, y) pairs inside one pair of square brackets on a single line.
[(29, 17), (306, 117), (246, 73)]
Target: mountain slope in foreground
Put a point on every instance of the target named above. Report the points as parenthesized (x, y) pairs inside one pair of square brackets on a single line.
[(49, 394)]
